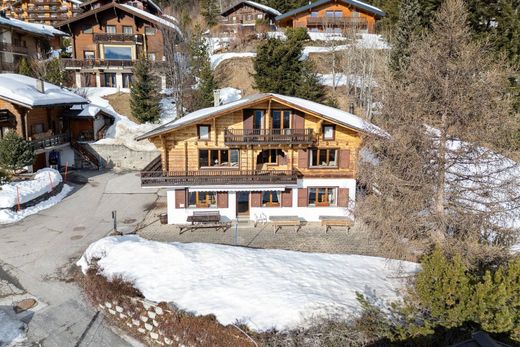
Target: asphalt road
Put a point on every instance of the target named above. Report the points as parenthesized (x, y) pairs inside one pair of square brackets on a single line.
[(38, 255)]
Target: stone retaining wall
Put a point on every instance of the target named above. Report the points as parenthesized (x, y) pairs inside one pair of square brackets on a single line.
[(122, 157)]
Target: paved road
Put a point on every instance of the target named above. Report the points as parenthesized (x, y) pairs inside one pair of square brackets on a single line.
[(39, 252)]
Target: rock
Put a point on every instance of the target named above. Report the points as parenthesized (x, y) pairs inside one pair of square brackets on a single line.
[(144, 318), (141, 330), (111, 311), (158, 310), (119, 309), (136, 322), (168, 341), (148, 327), (154, 322), (24, 305), (123, 316), (108, 305), (154, 336), (151, 314)]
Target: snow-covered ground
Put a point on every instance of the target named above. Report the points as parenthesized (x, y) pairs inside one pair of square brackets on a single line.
[(259, 287), (124, 131), (44, 181), (216, 59), (344, 79), (12, 331), (229, 94)]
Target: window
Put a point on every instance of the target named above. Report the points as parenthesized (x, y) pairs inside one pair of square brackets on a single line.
[(204, 132), (271, 199), (87, 30), (218, 157), (281, 119), (234, 19), (127, 80), (322, 196), (324, 157), (37, 128), (117, 52), (110, 29), (269, 156), (128, 30), (314, 14), (314, 30), (88, 55), (259, 16), (109, 79), (329, 13), (149, 31), (202, 199), (328, 132), (258, 118), (151, 56), (249, 17)]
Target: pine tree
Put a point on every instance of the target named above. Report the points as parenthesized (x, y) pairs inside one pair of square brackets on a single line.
[(210, 11), (201, 69), (55, 73), (408, 25), (207, 85), (144, 92), (494, 304), (280, 69), (24, 68), (15, 152)]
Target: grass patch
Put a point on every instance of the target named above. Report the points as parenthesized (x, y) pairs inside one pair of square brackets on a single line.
[(121, 104)]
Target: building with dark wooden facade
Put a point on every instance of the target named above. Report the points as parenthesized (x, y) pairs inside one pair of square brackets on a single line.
[(247, 15)]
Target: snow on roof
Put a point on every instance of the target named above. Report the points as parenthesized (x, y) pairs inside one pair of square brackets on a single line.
[(359, 4), (22, 90), (152, 17), (331, 113), (76, 2), (38, 29), (261, 7)]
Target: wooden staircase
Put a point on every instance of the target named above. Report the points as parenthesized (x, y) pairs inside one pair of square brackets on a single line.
[(88, 159)]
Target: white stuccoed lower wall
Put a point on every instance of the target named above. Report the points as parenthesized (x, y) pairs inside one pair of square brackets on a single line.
[(311, 214)]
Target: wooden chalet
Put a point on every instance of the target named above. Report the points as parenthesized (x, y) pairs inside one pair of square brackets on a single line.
[(262, 156), (333, 16), (109, 36), (47, 12), (249, 16)]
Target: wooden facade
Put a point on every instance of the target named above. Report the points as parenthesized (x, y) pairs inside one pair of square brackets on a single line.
[(332, 16), (247, 16), (47, 12)]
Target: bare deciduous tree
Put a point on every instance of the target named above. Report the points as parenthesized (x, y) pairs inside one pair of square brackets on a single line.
[(444, 175)]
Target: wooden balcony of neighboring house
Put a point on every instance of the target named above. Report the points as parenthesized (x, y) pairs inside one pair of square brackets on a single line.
[(337, 21), (268, 136), (47, 2), (43, 141), (13, 48), (209, 177), (102, 63), (134, 38)]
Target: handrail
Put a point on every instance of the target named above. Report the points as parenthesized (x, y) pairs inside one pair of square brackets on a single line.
[(266, 136), (50, 141)]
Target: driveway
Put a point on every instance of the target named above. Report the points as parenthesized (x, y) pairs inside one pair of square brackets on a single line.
[(39, 252)]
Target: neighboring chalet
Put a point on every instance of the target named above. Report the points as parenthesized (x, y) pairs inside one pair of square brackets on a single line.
[(262, 156), (333, 16), (249, 16), (40, 113), (110, 36), (47, 12), (20, 39)]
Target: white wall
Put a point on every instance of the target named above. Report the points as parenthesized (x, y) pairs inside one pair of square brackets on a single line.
[(311, 214), (66, 155)]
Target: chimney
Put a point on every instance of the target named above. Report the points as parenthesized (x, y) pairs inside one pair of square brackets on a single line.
[(216, 97), (40, 85)]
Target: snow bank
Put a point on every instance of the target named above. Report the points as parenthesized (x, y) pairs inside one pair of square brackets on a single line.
[(344, 79), (229, 94), (29, 190), (262, 288), (8, 216), (216, 59), (12, 331)]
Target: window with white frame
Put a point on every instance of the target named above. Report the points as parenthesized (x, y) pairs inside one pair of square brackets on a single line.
[(321, 196), (204, 131)]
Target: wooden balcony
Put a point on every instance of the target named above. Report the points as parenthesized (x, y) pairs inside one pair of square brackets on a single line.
[(337, 21), (14, 48), (103, 63), (50, 141), (268, 136), (135, 38), (216, 177)]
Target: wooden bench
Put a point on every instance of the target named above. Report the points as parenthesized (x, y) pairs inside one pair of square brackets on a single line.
[(282, 221), (336, 221), (224, 226), (204, 217), (204, 220)]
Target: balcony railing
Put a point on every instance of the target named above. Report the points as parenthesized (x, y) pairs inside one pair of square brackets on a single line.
[(135, 38), (216, 177), (268, 136), (51, 141), (14, 48), (338, 21), (103, 63)]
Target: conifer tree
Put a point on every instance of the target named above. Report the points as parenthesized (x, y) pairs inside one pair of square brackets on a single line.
[(407, 26), (55, 73), (201, 69), (210, 10), (15, 152), (144, 92), (24, 68), (494, 306)]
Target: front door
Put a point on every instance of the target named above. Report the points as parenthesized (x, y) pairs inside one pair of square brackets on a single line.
[(242, 203)]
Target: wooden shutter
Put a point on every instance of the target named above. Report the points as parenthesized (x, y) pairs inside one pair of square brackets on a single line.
[(343, 197), (222, 199), (303, 159), (180, 198), (302, 197), (344, 158), (287, 198), (298, 120), (256, 199), (248, 119)]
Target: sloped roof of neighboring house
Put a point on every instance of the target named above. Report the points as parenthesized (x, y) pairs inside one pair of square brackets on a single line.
[(359, 4), (33, 28), (330, 113), (160, 21), (88, 110), (256, 5), (21, 90)]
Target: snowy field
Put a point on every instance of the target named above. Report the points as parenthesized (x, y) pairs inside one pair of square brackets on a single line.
[(261, 288)]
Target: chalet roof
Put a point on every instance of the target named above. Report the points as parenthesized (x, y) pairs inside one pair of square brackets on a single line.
[(21, 90), (32, 28), (256, 5), (147, 2), (160, 21), (356, 3), (330, 113)]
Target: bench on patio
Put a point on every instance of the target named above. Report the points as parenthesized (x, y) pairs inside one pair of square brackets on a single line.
[(204, 217), (282, 221), (204, 220), (336, 221)]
